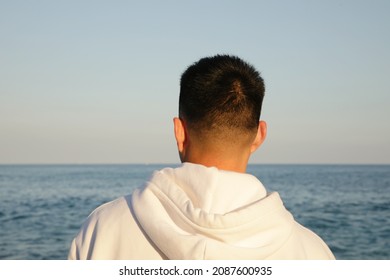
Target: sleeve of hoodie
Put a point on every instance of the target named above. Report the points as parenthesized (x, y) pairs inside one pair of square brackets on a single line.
[(307, 245), (89, 243), (111, 233), (315, 247), (103, 232)]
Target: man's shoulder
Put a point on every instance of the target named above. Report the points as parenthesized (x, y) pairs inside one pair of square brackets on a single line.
[(107, 229), (107, 218), (116, 209), (314, 245)]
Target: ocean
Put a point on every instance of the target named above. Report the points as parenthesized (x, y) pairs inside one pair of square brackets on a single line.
[(43, 206)]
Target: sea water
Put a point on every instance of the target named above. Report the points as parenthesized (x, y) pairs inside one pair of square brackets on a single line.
[(43, 206)]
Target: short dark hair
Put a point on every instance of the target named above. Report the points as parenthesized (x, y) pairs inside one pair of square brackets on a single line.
[(221, 93)]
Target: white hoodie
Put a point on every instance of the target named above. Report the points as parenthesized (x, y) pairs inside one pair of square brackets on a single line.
[(196, 212)]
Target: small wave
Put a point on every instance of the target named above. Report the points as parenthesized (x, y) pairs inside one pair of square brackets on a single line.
[(381, 206), (19, 217)]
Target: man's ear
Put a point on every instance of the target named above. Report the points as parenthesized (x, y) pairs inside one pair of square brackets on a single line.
[(180, 133), (260, 136)]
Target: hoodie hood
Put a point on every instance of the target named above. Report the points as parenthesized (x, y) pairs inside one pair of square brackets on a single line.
[(197, 212)]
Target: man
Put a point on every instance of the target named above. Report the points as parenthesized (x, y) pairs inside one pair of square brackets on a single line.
[(208, 208)]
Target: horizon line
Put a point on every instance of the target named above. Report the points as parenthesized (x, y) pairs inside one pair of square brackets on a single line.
[(179, 163)]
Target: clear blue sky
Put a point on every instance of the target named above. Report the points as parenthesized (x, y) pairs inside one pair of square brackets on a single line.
[(98, 81)]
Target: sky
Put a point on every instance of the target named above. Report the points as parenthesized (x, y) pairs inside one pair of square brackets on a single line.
[(98, 81)]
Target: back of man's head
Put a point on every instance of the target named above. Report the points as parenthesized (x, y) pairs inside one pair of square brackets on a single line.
[(221, 99)]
